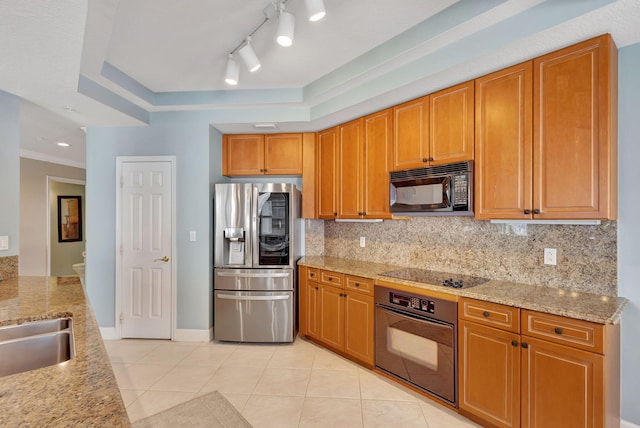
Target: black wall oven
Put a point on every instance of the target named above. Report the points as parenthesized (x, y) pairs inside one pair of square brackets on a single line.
[(416, 341)]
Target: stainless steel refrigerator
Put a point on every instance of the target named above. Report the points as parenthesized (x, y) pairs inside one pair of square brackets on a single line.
[(255, 254)]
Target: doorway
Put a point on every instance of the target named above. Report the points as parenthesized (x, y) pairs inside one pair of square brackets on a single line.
[(62, 253), (145, 247)]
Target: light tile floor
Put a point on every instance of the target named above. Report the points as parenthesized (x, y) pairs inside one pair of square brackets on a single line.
[(284, 385)]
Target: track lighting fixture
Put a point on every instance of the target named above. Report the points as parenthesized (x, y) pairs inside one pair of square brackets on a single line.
[(249, 56), (284, 37), (286, 25), (315, 9), (231, 77)]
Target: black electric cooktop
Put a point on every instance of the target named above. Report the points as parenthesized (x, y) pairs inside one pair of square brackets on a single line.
[(431, 277)]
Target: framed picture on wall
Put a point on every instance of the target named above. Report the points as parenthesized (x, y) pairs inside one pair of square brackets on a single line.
[(69, 218)]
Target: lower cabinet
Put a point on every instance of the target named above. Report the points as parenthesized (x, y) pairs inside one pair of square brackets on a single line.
[(521, 368), (337, 310)]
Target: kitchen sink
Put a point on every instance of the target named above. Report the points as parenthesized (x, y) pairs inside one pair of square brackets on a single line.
[(35, 345)]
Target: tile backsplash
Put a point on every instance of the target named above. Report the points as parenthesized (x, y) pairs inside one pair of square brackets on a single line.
[(586, 255)]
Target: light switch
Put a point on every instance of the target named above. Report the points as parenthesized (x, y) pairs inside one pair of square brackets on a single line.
[(4, 243), (192, 235)]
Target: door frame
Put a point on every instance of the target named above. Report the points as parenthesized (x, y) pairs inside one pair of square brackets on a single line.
[(52, 179), (120, 161)]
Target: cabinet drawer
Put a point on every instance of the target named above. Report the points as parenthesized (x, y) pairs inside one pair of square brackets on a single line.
[(312, 274), (332, 278), (490, 314), (357, 283), (565, 331)]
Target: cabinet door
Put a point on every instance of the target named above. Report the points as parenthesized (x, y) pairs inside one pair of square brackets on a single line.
[(503, 144), (358, 340), (332, 316), (411, 134), (327, 150), (282, 154), (574, 131), (350, 169), (243, 154), (303, 306), (489, 364), (378, 141), (312, 303), (561, 386), (451, 124)]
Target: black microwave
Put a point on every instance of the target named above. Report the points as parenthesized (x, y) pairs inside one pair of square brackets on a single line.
[(434, 190)]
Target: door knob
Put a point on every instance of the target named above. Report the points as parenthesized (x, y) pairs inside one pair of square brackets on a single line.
[(164, 259)]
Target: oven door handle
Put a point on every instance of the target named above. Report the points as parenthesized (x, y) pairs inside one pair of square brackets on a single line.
[(254, 275), (412, 317), (234, 297)]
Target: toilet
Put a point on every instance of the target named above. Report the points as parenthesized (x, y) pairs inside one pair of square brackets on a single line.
[(79, 269)]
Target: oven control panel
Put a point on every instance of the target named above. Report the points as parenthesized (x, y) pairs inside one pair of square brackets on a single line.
[(412, 302)]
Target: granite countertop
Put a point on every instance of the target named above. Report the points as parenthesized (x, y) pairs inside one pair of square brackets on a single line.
[(579, 305), (80, 392)]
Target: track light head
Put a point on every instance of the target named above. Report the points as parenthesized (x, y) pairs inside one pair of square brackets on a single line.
[(315, 9), (232, 74), (249, 56), (286, 26)]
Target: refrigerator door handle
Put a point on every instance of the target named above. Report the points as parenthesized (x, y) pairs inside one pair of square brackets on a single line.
[(234, 297), (254, 275)]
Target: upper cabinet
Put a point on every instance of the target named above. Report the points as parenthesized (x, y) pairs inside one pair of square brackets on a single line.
[(256, 154), (435, 129), (575, 131), (559, 160), (451, 124), (364, 162), (327, 173), (503, 146)]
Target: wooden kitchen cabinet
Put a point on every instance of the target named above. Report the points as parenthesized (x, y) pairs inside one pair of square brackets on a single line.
[(257, 154), (435, 129), (503, 144), (575, 131), (309, 302), (364, 162), (411, 134), (451, 124), (522, 368), (327, 173), (558, 161), (342, 308)]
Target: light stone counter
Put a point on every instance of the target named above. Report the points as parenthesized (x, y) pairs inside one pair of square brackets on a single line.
[(81, 392), (579, 305)]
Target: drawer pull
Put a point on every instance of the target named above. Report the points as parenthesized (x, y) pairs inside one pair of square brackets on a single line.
[(514, 343), (557, 330), (330, 279), (485, 314), (312, 275), (357, 285)]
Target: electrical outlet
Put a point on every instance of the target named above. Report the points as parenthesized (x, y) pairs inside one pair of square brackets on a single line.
[(362, 242), (192, 235), (4, 243), (550, 256)]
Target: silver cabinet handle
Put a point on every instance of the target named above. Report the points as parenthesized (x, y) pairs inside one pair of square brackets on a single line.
[(254, 275), (233, 297)]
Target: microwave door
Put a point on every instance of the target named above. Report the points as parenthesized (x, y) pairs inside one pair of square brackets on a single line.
[(423, 195)]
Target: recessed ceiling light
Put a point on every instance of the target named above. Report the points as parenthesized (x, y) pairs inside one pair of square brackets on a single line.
[(63, 144), (265, 126)]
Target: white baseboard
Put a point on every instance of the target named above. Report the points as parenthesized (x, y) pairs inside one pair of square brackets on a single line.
[(626, 424), (191, 335), (108, 333)]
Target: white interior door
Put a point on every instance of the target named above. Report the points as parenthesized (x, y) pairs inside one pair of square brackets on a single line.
[(146, 265)]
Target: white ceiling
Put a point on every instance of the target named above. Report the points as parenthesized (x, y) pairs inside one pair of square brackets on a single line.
[(115, 62)]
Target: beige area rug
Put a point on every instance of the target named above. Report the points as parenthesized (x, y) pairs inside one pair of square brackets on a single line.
[(211, 410)]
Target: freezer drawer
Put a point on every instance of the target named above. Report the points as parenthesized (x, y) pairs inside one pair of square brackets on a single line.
[(254, 279), (254, 316)]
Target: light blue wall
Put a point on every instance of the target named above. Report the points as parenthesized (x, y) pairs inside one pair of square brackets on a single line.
[(187, 140), (629, 227), (10, 171)]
